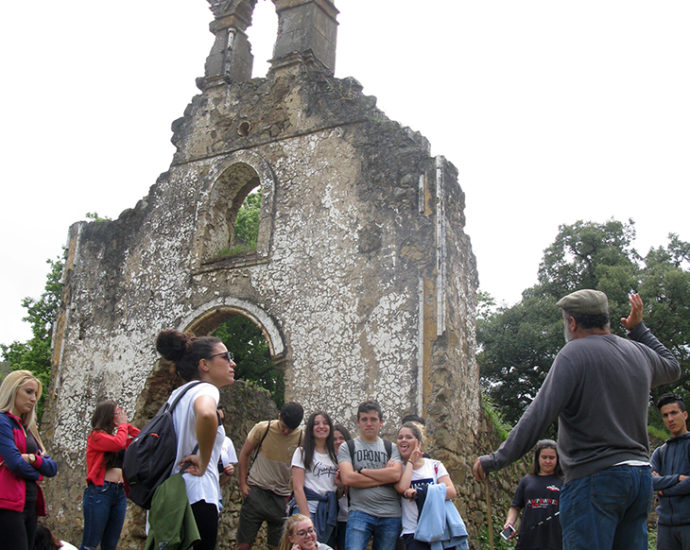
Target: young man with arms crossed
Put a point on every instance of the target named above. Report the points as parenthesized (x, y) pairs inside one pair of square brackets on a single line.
[(370, 474), (670, 471), (265, 483)]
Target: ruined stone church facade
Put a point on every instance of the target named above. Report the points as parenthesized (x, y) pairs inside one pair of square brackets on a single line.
[(363, 280)]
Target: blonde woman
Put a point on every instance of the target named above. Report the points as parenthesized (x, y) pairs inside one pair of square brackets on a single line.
[(23, 460), (299, 534)]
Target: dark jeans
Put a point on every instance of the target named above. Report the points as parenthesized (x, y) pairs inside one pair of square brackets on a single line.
[(607, 510), (18, 528), (104, 508), (670, 537), (410, 544), (206, 516), (340, 543)]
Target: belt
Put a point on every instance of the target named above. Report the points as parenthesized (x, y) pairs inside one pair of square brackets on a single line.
[(120, 484)]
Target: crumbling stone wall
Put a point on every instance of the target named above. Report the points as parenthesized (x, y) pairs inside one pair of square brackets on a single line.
[(363, 280)]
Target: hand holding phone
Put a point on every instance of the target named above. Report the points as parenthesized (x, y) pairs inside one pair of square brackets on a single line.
[(508, 532)]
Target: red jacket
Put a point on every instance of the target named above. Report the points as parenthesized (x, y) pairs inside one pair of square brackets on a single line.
[(15, 471), (99, 443)]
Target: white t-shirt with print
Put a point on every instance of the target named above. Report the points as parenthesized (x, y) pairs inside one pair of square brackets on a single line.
[(426, 475), (320, 478), (206, 487)]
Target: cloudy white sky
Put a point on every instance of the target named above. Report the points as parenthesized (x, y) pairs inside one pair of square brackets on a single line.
[(552, 111)]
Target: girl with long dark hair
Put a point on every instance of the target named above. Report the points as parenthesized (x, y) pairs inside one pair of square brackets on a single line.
[(538, 495), (314, 467)]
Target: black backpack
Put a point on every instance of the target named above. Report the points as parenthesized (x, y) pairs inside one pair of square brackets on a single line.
[(150, 458)]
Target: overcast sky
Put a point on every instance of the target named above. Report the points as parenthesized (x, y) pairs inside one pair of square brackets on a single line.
[(552, 111)]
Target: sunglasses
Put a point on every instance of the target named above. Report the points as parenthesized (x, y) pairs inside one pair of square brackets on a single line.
[(225, 355)]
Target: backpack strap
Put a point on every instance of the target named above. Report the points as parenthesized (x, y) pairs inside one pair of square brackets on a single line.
[(389, 448), (179, 396), (351, 447), (258, 447)]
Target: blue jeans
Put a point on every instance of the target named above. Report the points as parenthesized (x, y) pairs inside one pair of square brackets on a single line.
[(670, 537), (607, 510), (104, 509), (362, 526)]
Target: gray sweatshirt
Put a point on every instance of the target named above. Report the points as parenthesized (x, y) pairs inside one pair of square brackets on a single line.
[(598, 388)]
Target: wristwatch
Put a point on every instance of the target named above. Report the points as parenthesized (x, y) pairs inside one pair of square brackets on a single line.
[(32, 458)]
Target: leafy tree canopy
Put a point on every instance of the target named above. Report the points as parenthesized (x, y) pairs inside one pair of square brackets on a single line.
[(518, 344), (35, 354), (250, 351)]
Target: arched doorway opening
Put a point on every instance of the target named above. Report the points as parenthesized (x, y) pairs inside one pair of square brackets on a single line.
[(250, 351)]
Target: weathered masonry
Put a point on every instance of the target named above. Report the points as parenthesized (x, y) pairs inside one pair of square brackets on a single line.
[(362, 280)]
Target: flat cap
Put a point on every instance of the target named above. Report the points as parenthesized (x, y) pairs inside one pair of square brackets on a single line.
[(586, 302)]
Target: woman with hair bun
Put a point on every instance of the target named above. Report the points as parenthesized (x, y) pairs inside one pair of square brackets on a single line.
[(104, 503), (23, 460), (204, 359), (537, 496)]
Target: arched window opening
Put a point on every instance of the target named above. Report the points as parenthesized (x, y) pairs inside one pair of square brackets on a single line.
[(234, 220)]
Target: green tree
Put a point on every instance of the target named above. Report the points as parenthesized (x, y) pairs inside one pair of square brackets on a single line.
[(665, 287), (518, 344), (250, 351), (247, 221), (35, 354)]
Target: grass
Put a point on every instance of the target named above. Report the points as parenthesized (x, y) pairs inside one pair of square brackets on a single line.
[(239, 249)]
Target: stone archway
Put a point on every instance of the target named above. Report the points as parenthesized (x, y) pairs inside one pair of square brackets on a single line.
[(206, 318)]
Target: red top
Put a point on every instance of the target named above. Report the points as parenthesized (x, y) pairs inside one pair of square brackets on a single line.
[(100, 443)]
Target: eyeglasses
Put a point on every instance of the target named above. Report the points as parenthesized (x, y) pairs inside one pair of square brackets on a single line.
[(225, 355), (309, 531)]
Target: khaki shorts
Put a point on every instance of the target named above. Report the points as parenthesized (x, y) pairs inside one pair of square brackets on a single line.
[(259, 506)]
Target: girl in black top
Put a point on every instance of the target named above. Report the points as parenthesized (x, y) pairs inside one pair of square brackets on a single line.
[(537, 496)]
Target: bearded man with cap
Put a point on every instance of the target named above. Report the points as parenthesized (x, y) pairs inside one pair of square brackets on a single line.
[(598, 388)]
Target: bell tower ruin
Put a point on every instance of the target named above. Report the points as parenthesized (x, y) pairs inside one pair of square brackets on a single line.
[(362, 280)]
